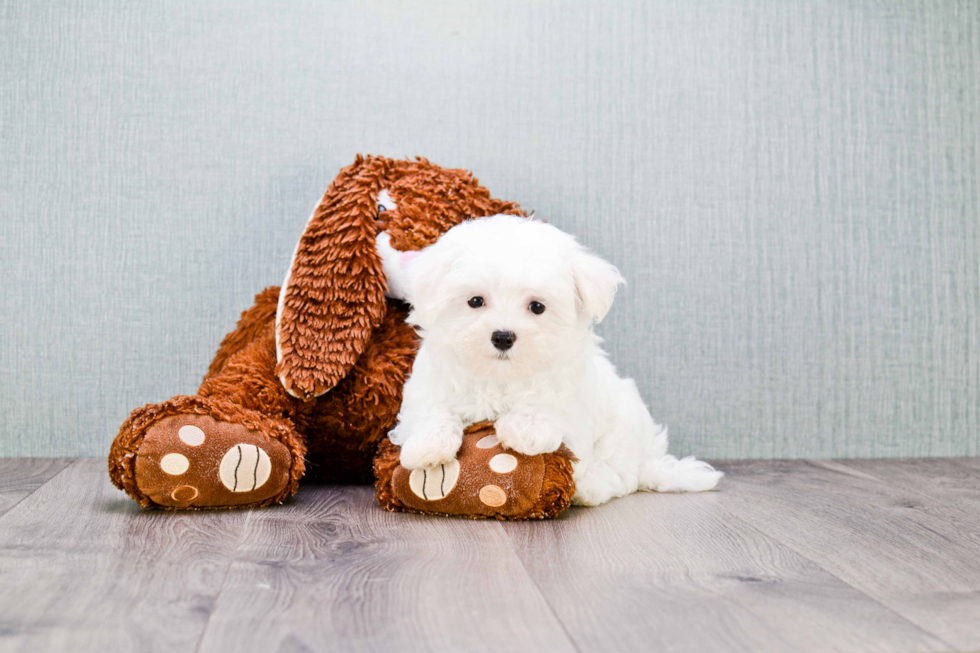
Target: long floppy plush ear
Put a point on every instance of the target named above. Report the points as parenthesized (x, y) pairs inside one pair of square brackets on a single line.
[(333, 296), (596, 281)]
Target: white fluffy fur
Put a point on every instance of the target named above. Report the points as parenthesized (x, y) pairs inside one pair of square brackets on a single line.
[(554, 385)]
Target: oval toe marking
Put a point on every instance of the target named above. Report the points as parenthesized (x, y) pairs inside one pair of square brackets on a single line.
[(191, 435), (503, 463), (174, 464), (488, 442), (493, 496), (434, 483), (245, 467), (184, 493)]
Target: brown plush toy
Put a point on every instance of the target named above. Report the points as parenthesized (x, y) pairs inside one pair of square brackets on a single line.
[(310, 381), (485, 480)]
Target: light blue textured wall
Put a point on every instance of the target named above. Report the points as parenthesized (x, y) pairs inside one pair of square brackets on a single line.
[(791, 190)]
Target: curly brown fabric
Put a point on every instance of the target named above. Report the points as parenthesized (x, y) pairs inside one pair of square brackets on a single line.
[(334, 295), (431, 200), (363, 407), (334, 393), (123, 453), (537, 487), (250, 325)]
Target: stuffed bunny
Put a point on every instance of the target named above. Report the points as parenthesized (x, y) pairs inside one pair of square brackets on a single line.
[(310, 381)]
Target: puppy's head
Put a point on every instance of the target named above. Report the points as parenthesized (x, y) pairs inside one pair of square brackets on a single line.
[(508, 296)]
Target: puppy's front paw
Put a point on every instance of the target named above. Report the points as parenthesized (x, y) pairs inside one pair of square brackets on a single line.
[(528, 434), (433, 447)]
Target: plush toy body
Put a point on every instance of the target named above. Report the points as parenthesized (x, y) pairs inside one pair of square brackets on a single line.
[(310, 382)]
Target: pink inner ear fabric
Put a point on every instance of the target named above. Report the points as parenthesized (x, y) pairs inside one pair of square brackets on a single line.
[(406, 258)]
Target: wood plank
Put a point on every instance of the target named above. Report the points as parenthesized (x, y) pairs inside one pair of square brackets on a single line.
[(679, 573), (83, 569), (953, 481), (972, 463), (897, 545), (21, 476), (332, 571)]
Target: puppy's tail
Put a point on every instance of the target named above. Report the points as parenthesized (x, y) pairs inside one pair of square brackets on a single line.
[(668, 474), (661, 472)]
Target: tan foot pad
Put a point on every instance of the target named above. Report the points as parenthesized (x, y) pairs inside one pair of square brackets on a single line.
[(485, 480), (195, 461)]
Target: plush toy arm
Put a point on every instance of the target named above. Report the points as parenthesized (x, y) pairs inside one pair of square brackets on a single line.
[(396, 268)]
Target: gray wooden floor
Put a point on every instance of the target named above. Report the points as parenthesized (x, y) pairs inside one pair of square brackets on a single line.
[(786, 556)]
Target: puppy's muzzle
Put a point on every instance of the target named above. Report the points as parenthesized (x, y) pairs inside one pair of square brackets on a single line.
[(503, 340)]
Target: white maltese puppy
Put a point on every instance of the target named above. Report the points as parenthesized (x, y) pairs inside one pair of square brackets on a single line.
[(505, 308)]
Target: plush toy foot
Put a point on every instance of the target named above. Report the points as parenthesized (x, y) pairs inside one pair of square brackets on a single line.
[(191, 453), (485, 480)]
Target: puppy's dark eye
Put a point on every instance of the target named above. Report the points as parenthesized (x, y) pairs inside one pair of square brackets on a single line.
[(475, 302), (381, 208), (536, 307)]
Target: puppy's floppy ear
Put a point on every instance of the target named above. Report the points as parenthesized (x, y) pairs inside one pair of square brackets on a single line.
[(425, 272), (596, 281), (333, 296)]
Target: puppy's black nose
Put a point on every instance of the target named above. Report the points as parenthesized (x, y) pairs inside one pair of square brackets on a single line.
[(503, 340)]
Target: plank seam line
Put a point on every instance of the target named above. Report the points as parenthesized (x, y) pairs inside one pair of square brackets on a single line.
[(789, 546), (224, 579), (920, 492), (527, 573), (958, 461), (71, 463)]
